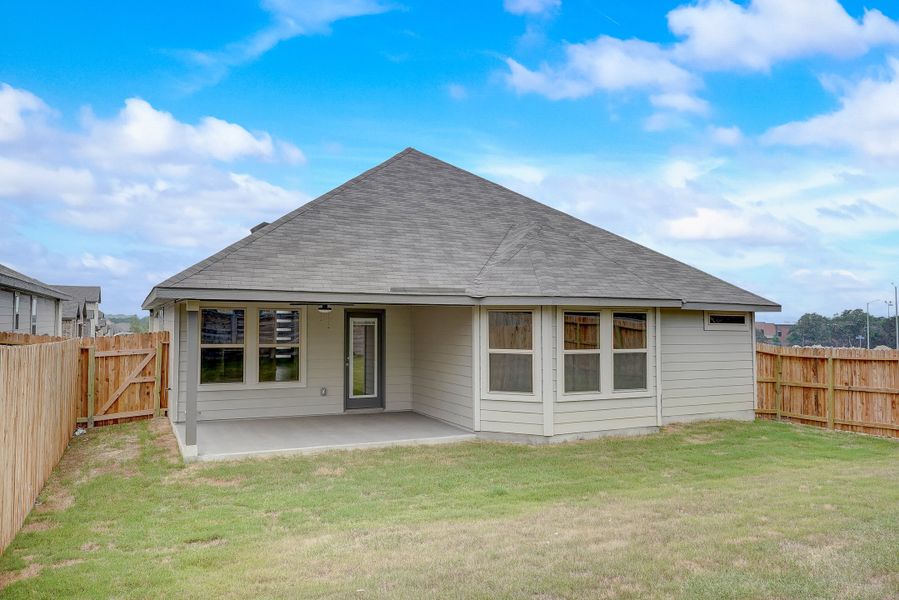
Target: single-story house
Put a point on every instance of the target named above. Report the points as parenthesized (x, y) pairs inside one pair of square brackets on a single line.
[(420, 287), (81, 316), (28, 305)]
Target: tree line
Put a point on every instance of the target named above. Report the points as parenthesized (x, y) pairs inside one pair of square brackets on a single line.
[(842, 329)]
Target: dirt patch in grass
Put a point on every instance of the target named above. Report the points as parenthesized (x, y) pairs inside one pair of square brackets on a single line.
[(54, 499), (8, 578), (164, 438), (35, 526), (208, 542), (328, 471)]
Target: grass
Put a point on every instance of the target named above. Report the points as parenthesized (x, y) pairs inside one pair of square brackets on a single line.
[(714, 510)]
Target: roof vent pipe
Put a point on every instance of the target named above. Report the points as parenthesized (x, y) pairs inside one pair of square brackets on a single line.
[(258, 227)]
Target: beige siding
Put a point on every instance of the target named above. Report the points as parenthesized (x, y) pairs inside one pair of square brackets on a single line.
[(324, 369), (6, 310), (505, 416), (46, 316), (441, 365), (705, 374)]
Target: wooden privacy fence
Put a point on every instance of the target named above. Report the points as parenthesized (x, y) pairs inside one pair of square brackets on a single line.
[(122, 377), (850, 389), (40, 387)]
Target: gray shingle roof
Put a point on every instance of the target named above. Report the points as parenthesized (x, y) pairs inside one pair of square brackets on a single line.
[(13, 279), (88, 293), (417, 223)]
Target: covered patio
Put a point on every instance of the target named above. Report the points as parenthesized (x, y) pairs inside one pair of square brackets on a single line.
[(230, 439)]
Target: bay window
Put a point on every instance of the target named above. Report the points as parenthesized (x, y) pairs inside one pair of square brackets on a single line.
[(510, 351), (222, 345)]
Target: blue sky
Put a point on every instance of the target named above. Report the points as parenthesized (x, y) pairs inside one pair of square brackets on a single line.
[(757, 140)]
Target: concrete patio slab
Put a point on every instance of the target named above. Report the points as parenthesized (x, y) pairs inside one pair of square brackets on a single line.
[(225, 440)]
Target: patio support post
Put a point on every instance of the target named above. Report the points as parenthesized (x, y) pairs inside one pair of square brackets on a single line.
[(193, 355), (547, 386)]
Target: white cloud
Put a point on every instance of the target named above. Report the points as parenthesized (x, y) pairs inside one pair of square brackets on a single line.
[(680, 101), (726, 136), (139, 130), (118, 267), (605, 63), (532, 7), (721, 34), (15, 104), (732, 225), (290, 19), (867, 121), (139, 191)]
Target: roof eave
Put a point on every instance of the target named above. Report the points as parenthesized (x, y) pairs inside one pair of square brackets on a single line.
[(159, 296)]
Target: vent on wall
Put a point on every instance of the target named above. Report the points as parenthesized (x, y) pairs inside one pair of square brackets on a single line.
[(258, 227)]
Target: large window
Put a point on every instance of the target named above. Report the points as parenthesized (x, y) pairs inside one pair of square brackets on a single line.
[(221, 345), (510, 351), (581, 352), (279, 345), (629, 351)]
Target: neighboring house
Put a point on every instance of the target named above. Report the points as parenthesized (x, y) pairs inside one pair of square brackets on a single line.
[(28, 305), (418, 286), (82, 316), (775, 331)]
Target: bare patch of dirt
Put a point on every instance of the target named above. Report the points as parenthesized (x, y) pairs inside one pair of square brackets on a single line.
[(90, 547), (164, 438), (56, 498), (8, 578), (67, 563), (36, 526), (206, 542)]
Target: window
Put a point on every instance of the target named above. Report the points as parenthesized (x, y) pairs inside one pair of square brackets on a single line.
[(581, 352), (723, 321), (33, 315), (510, 351), (629, 351), (221, 345), (279, 345), (16, 310)]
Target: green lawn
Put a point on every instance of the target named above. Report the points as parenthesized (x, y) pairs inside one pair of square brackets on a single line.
[(716, 510)]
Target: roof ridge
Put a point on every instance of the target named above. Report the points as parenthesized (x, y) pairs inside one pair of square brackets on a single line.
[(290, 216)]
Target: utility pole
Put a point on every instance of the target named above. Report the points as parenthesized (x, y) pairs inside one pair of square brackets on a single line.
[(896, 317)]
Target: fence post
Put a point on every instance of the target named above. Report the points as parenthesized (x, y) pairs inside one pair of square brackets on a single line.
[(830, 390), (157, 384), (778, 388), (91, 375)]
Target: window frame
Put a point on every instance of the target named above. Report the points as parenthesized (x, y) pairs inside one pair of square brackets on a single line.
[(301, 325), (17, 300), (535, 353), (707, 325), (251, 346), (606, 352)]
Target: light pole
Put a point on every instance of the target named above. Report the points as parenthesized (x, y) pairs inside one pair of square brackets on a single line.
[(868, 323), (896, 316)]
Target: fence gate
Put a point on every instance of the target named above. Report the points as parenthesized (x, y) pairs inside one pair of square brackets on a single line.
[(124, 377)]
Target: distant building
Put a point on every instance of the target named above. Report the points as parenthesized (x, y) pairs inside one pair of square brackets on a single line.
[(775, 331), (28, 305), (81, 316)]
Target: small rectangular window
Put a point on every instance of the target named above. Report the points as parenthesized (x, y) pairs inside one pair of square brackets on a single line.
[(279, 345), (724, 321), (629, 351), (33, 315), (16, 302), (221, 345), (510, 351), (717, 319)]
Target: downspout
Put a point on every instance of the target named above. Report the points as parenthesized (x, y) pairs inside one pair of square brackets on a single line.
[(658, 325)]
